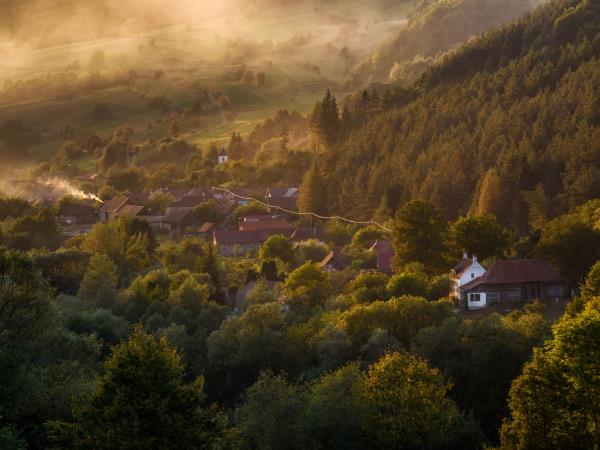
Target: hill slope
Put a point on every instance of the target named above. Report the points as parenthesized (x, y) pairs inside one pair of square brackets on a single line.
[(509, 125), (434, 28)]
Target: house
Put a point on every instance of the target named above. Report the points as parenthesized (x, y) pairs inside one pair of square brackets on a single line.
[(129, 211), (282, 199), (109, 208), (235, 242), (514, 281), (206, 230), (222, 157), (242, 242), (274, 226), (384, 252), (76, 214), (464, 272), (179, 218), (157, 223), (334, 261)]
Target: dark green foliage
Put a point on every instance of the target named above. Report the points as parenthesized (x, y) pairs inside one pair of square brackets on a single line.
[(507, 125), (554, 402), (467, 352), (418, 234), (141, 402)]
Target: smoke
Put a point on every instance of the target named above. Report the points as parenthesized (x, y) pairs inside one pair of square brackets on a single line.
[(48, 190), (63, 187)]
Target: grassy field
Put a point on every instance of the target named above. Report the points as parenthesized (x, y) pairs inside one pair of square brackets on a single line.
[(302, 50)]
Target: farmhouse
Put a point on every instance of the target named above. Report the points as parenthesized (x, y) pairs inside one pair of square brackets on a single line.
[(464, 272), (513, 281), (76, 214), (111, 207)]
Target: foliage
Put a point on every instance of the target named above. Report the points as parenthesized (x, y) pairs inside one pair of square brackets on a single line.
[(418, 234), (481, 236), (141, 401), (306, 287), (554, 402)]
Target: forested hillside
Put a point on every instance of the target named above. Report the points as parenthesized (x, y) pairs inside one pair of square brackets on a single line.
[(434, 28), (509, 125)]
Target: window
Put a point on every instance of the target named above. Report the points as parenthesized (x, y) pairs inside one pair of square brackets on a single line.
[(474, 297), (472, 275)]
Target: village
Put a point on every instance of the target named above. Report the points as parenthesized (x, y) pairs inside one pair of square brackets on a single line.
[(241, 220)]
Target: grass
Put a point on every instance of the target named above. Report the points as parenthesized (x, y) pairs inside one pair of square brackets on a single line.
[(202, 58)]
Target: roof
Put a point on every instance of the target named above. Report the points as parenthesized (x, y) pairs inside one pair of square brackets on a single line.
[(222, 152), (76, 209), (516, 271), (462, 265), (283, 192), (256, 217), (113, 205), (289, 203), (382, 247), (335, 258), (177, 214), (237, 237), (266, 225), (206, 227), (129, 211), (246, 237), (189, 201), (154, 219)]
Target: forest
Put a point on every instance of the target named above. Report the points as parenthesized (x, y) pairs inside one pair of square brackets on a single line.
[(128, 320)]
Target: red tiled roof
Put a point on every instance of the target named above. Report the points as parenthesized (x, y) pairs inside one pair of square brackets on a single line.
[(266, 225), (517, 271), (237, 237)]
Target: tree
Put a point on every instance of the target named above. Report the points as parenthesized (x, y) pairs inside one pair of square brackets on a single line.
[(277, 246), (306, 287), (313, 193), (334, 411), (481, 236), (243, 346), (100, 282), (141, 402), (311, 250), (554, 402), (467, 352), (418, 234), (409, 407), (325, 120), (368, 287), (571, 244), (268, 416), (408, 283)]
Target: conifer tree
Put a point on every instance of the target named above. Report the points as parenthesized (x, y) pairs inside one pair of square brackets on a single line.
[(313, 193)]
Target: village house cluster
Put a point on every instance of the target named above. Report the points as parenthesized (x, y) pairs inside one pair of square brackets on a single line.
[(474, 286)]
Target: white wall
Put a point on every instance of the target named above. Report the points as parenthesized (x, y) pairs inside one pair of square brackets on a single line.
[(471, 304), (473, 271)]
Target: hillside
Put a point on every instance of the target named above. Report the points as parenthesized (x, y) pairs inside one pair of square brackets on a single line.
[(434, 28), (509, 125)]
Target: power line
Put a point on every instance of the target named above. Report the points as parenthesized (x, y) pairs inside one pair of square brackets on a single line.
[(312, 214)]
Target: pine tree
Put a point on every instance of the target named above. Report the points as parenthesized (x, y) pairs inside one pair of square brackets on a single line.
[(313, 193)]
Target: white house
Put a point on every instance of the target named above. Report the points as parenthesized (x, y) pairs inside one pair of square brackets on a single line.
[(222, 158), (466, 271)]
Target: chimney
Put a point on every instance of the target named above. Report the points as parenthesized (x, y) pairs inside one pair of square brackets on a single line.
[(465, 255)]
